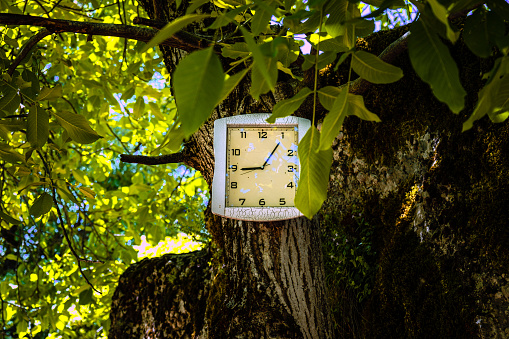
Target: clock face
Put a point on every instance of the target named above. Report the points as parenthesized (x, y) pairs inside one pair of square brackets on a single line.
[(262, 165), (256, 167)]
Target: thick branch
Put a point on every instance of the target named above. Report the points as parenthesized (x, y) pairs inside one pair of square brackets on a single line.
[(158, 160), (179, 40)]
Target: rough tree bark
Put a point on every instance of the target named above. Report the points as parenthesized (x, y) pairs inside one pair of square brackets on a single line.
[(434, 197)]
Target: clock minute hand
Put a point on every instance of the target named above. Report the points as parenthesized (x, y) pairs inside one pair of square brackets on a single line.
[(266, 161)]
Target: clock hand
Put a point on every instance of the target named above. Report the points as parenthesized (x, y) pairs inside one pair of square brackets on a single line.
[(250, 168), (266, 161)]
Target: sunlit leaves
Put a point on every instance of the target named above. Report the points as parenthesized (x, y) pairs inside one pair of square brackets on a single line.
[(374, 70), (314, 176), (77, 127), (434, 64), (198, 81), (37, 126)]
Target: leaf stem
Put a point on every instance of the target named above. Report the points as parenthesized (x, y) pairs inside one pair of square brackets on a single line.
[(316, 66)]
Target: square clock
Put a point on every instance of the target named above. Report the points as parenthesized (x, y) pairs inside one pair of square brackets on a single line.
[(256, 167)]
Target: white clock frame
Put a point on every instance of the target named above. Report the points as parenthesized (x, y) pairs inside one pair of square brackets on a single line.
[(218, 184)]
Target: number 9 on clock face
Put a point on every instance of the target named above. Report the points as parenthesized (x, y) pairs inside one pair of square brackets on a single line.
[(262, 165)]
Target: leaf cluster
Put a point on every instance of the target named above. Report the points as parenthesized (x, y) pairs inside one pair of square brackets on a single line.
[(70, 212)]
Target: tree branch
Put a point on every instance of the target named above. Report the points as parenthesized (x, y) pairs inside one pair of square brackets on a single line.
[(158, 160), (179, 40)]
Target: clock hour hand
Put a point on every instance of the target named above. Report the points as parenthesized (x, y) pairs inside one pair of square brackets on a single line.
[(251, 168), (266, 161)]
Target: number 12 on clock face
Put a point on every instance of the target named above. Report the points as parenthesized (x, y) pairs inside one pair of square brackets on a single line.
[(262, 165)]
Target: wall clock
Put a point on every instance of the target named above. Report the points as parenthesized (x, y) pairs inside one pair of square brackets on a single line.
[(256, 167)]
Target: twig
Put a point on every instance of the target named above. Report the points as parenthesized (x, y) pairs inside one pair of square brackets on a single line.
[(26, 49), (181, 40), (117, 137), (158, 160)]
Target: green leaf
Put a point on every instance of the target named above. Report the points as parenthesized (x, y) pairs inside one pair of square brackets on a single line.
[(314, 175), (194, 5), (41, 205), (37, 126), (173, 27), (259, 83), (262, 16), (237, 50), (286, 107), (334, 120), (327, 95), (433, 63), (9, 103), (227, 17), (494, 97), (261, 64), (287, 53), (8, 219), (50, 93), (356, 107), (442, 14), (373, 69), (85, 296), (139, 107), (8, 154), (198, 83), (476, 34), (87, 192), (230, 83), (77, 127), (333, 45), (335, 23)]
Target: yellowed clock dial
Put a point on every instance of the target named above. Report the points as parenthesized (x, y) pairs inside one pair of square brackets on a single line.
[(262, 165)]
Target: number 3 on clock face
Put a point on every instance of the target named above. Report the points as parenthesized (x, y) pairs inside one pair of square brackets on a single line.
[(256, 167)]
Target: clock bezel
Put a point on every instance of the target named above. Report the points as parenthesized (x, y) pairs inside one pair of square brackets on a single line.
[(218, 200)]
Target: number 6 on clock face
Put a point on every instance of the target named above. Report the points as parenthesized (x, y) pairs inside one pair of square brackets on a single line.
[(256, 167)]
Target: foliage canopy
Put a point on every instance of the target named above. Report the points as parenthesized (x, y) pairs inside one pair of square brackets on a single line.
[(74, 103)]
